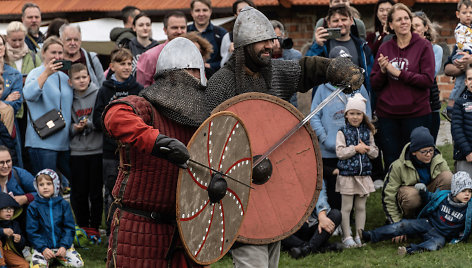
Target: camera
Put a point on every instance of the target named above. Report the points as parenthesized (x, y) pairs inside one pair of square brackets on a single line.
[(285, 43)]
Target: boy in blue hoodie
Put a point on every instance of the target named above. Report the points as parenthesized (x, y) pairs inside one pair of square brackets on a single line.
[(85, 153), (446, 216), (12, 241), (50, 225)]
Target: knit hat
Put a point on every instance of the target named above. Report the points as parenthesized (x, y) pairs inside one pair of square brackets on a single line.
[(460, 181), (356, 102), (420, 138), (339, 51)]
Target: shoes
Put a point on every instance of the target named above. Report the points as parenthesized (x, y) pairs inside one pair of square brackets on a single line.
[(378, 184), (338, 231), (358, 241), (364, 236), (349, 242), (27, 253), (402, 251), (300, 252)]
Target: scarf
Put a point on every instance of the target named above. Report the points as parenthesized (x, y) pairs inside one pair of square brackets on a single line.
[(17, 53)]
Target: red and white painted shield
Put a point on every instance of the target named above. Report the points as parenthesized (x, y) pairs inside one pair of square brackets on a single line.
[(208, 230), (280, 206)]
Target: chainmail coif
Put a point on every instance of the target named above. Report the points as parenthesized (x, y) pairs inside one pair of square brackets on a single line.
[(179, 96)]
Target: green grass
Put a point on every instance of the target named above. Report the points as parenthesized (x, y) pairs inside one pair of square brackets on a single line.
[(382, 254)]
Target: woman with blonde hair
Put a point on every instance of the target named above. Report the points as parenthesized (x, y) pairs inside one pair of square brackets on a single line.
[(22, 59)]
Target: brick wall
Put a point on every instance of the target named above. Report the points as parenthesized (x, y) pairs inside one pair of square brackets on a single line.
[(300, 21)]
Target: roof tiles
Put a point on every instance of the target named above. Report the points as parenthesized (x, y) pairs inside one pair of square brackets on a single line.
[(12, 7)]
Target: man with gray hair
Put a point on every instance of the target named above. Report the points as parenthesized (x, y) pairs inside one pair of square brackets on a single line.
[(31, 18), (71, 37)]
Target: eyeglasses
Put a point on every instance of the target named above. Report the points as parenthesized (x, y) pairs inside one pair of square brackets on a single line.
[(7, 162), (426, 152), (8, 209)]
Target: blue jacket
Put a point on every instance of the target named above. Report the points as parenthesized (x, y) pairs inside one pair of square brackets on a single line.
[(461, 126), (13, 81), (26, 181), (50, 223), (321, 205), (327, 122), (434, 200), (358, 164), (41, 101), (366, 59)]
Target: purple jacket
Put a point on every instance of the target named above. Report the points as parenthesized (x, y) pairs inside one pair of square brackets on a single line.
[(407, 95), (146, 67)]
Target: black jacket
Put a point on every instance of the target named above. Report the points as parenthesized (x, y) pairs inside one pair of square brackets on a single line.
[(110, 91), (461, 126)]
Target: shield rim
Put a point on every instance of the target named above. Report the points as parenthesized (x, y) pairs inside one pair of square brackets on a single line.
[(319, 178), (177, 207)]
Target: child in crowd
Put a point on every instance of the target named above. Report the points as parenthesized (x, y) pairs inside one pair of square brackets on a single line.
[(86, 153), (120, 83), (50, 224), (355, 147), (7, 126), (12, 241), (446, 216), (461, 127), (463, 35), (326, 124)]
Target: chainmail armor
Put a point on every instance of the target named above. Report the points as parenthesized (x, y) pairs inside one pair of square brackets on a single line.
[(179, 96), (280, 78)]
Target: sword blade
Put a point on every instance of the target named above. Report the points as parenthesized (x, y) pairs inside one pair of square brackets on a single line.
[(299, 125)]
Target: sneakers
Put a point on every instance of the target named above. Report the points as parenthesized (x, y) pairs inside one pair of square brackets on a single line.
[(358, 241), (402, 251), (349, 242), (364, 236), (27, 253), (378, 184), (338, 231)]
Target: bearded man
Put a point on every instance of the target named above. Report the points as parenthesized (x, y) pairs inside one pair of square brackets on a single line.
[(166, 114), (252, 69)]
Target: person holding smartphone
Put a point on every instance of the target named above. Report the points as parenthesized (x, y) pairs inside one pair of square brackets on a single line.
[(339, 21), (47, 88)]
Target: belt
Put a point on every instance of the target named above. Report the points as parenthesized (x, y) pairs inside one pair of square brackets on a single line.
[(157, 217)]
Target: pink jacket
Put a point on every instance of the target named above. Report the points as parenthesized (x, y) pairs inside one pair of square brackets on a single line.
[(146, 67)]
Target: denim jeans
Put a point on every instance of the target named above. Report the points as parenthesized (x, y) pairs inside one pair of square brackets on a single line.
[(55, 160), (433, 240)]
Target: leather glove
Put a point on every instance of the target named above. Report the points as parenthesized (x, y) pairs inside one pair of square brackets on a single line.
[(342, 72), (420, 187), (171, 149)]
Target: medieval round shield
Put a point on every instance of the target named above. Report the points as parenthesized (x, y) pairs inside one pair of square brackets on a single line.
[(287, 193), (213, 192)]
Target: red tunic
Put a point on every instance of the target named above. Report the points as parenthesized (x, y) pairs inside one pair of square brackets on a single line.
[(144, 182)]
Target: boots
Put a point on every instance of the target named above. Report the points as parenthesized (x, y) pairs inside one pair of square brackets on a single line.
[(301, 251)]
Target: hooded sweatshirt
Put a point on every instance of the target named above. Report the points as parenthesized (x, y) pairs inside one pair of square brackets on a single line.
[(89, 141), (49, 221), (110, 91), (137, 49), (330, 119), (408, 95)]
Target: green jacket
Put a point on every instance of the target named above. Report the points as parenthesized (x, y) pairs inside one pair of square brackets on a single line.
[(28, 63), (403, 173)]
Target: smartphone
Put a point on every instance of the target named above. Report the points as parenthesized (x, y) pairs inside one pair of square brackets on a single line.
[(334, 33), (65, 64)]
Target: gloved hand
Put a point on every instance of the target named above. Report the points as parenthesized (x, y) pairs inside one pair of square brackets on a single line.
[(342, 72), (171, 149), (420, 187)]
